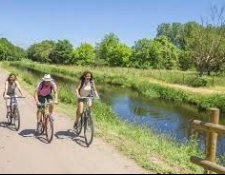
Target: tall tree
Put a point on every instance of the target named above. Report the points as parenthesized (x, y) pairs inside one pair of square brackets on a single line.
[(158, 54), (10, 52), (84, 54), (62, 53), (113, 52), (40, 52), (207, 44)]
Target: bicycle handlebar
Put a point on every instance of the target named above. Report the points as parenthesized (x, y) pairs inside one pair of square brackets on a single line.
[(83, 98), (7, 98), (46, 104)]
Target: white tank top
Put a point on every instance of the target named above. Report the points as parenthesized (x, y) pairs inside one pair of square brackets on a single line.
[(86, 90)]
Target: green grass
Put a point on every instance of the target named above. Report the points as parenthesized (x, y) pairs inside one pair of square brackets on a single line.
[(131, 79), (150, 150)]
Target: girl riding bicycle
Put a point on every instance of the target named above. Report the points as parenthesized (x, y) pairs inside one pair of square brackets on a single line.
[(86, 88), (11, 85)]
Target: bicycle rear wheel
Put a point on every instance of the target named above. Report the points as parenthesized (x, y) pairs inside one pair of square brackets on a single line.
[(89, 129), (49, 129), (16, 118)]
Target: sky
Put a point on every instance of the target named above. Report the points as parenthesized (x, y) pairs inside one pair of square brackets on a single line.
[(25, 22)]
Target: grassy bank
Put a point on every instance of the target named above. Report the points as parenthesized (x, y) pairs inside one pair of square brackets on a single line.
[(202, 98), (149, 149)]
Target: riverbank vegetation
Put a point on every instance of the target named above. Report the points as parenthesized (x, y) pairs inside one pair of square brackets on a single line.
[(204, 99)]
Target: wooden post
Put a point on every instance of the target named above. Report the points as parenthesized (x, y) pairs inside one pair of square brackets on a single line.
[(212, 138)]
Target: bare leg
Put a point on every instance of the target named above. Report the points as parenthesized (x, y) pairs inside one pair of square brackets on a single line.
[(51, 108), (79, 111), (39, 115), (8, 109), (90, 104)]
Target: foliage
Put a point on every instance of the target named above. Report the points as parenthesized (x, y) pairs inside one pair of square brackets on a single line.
[(40, 52), (158, 54), (84, 54), (114, 52), (62, 53), (9, 52), (199, 82)]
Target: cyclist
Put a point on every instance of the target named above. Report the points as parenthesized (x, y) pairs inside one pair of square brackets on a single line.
[(11, 85), (42, 94), (86, 88)]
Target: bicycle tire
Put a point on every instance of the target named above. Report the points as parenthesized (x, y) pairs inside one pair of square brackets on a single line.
[(16, 118), (49, 129), (80, 125), (89, 129), (9, 117)]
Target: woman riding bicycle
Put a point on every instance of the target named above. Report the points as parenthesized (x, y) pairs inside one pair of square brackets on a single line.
[(11, 85), (86, 88)]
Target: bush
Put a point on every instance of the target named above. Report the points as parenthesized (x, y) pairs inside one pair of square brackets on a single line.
[(199, 82)]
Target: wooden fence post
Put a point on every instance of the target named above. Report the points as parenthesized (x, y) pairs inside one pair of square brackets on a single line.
[(212, 137)]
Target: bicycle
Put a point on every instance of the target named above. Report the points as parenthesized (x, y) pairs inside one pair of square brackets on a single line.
[(86, 122), (14, 114), (46, 124)]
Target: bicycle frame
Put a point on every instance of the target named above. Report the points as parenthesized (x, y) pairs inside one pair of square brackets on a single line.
[(13, 104)]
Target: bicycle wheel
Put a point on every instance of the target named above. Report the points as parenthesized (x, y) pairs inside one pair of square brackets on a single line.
[(49, 129), (89, 129), (42, 127), (16, 118), (80, 125), (9, 117)]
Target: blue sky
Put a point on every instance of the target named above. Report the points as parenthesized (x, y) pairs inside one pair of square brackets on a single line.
[(27, 21)]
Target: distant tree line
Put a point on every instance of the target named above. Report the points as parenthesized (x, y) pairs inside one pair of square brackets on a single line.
[(177, 46)]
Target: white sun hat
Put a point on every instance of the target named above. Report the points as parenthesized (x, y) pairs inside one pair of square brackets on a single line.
[(47, 77)]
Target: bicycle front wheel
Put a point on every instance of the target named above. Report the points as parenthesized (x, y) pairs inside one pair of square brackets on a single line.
[(49, 129), (80, 126), (89, 130), (16, 118)]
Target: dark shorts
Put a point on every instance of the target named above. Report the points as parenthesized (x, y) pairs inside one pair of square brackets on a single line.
[(43, 99)]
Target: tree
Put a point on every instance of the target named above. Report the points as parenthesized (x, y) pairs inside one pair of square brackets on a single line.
[(185, 61), (166, 54), (120, 55), (84, 54), (142, 54), (10, 52), (158, 54), (40, 52), (178, 33), (62, 53), (113, 52), (207, 44), (3, 54)]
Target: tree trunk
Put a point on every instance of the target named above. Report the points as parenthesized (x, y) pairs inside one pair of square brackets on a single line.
[(209, 73)]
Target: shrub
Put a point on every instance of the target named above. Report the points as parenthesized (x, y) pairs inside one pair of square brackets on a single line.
[(199, 82)]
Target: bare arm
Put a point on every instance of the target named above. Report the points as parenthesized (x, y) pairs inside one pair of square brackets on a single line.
[(78, 89), (96, 92), (6, 88), (56, 95), (19, 88), (36, 96)]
